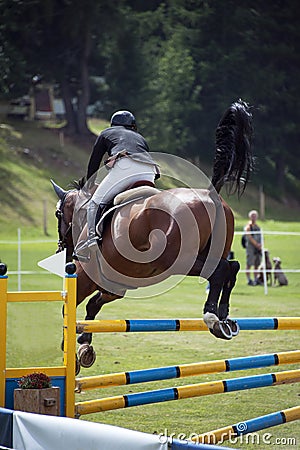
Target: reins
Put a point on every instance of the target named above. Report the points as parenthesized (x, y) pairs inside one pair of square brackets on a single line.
[(62, 241)]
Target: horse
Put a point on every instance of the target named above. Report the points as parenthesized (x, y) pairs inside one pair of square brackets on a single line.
[(185, 231)]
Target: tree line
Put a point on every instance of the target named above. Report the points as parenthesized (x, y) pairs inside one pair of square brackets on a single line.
[(177, 64)]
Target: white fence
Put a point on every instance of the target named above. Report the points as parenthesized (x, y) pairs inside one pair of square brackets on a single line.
[(19, 242), (263, 261)]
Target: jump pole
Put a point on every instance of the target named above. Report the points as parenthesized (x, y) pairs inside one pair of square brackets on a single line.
[(182, 392), (248, 426), (186, 370), (158, 325)]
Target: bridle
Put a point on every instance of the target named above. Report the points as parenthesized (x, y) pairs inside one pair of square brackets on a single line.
[(59, 214)]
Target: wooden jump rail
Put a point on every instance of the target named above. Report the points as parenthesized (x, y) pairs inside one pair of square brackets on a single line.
[(248, 426), (186, 370), (161, 373), (158, 325), (183, 392)]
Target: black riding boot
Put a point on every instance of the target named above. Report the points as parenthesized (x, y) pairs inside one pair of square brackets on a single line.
[(91, 224), (84, 250)]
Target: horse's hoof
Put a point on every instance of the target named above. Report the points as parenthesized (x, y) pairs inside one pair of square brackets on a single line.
[(86, 355), (77, 366), (210, 319), (234, 326), (221, 330)]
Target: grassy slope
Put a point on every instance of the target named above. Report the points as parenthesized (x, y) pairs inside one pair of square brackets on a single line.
[(29, 156), (25, 183)]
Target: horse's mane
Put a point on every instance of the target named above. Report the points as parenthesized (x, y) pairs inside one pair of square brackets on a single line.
[(233, 162), (78, 184)]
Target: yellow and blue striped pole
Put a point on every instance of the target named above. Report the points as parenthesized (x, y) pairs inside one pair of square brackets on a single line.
[(182, 392), (186, 370), (248, 426), (157, 325)]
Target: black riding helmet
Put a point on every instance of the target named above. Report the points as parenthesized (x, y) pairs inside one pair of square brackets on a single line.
[(124, 118)]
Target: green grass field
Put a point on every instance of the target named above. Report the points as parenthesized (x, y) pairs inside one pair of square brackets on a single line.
[(35, 333)]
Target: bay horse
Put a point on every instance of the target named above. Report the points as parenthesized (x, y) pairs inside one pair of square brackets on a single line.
[(186, 231)]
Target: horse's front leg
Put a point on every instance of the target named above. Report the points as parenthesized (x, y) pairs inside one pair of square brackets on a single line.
[(86, 353)]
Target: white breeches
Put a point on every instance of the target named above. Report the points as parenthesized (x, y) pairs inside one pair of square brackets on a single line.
[(125, 172)]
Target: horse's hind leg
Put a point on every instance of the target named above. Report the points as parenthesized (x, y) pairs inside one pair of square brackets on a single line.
[(86, 353), (211, 309), (223, 310)]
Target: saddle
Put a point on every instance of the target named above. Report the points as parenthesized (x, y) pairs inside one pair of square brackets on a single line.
[(122, 199)]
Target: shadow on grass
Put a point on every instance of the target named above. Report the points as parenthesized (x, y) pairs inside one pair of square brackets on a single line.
[(10, 195)]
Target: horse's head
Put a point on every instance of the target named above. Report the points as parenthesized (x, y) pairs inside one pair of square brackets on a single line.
[(64, 213)]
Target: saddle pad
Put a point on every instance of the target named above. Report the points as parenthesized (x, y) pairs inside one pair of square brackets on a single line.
[(131, 194)]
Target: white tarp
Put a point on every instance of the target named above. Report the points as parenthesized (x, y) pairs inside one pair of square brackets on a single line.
[(38, 432)]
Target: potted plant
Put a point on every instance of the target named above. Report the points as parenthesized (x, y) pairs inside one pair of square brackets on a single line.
[(36, 394)]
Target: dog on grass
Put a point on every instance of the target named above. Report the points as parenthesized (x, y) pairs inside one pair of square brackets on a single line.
[(260, 270), (278, 274)]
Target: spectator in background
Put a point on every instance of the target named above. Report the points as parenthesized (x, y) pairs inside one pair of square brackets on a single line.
[(253, 248)]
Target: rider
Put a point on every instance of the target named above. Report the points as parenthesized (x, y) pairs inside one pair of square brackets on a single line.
[(129, 162)]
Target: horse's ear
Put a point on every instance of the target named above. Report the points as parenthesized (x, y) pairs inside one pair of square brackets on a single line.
[(58, 190)]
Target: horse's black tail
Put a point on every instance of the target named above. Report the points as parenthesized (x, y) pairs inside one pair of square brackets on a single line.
[(233, 162)]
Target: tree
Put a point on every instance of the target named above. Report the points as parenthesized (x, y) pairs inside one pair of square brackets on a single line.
[(274, 49), (169, 94), (177, 64), (241, 51), (56, 40)]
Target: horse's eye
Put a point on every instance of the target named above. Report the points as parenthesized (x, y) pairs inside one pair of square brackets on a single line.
[(58, 214)]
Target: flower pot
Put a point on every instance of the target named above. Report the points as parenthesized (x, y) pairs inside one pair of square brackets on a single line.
[(41, 401)]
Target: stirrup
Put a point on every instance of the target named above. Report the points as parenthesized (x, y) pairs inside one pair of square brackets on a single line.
[(82, 253), (93, 242), (82, 258)]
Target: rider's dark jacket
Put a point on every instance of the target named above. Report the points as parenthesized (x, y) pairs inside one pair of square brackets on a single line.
[(117, 140)]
